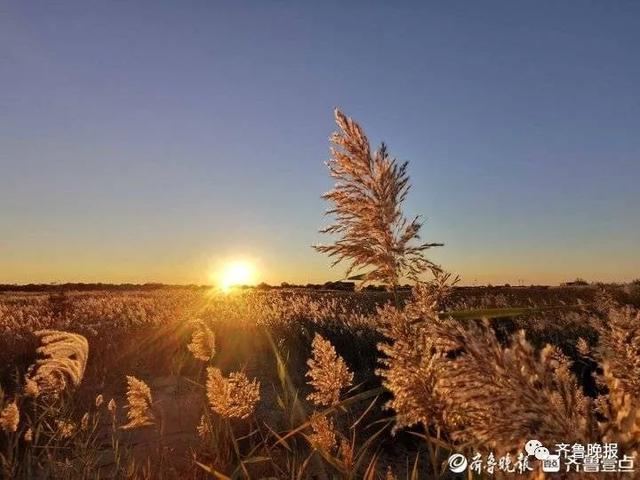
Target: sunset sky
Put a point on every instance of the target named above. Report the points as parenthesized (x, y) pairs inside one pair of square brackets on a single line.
[(155, 141)]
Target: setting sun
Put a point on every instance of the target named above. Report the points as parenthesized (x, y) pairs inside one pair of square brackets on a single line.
[(237, 273)]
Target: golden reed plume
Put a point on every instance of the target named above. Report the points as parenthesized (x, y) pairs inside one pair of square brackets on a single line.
[(9, 418), (367, 205), (139, 403), (234, 396), (66, 360), (324, 434), (328, 373), (203, 342)]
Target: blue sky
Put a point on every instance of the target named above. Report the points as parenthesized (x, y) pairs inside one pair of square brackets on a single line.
[(153, 141)]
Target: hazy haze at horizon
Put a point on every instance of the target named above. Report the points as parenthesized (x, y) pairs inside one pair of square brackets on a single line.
[(152, 141)]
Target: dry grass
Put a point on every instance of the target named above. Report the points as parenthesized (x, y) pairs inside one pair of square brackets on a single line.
[(459, 383)]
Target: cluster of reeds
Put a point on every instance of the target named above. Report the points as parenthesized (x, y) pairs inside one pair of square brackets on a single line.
[(43, 435), (466, 387), (460, 380)]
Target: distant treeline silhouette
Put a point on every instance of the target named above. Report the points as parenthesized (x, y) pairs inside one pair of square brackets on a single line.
[(58, 287), (345, 286), (84, 287), (80, 287)]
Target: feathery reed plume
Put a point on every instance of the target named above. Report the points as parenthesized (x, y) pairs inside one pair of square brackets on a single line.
[(346, 454), (411, 362), (10, 417), (111, 406), (99, 400), (234, 396), (31, 388), (203, 342), (604, 301), (619, 346), (582, 347), (434, 295), (463, 380), (28, 435), (66, 359), (203, 428), (65, 429), (367, 206), (328, 373), (324, 435), (618, 350), (621, 413), (510, 394), (139, 403), (84, 422)]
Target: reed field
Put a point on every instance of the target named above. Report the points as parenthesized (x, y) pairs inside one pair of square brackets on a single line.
[(294, 383), (186, 383)]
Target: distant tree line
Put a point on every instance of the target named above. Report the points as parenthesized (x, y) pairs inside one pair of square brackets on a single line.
[(345, 286), (84, 287)]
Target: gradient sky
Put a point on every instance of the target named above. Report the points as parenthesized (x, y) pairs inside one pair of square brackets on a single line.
[(150, 141)]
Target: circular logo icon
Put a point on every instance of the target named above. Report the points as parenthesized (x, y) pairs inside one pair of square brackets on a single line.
[(457, 463), (541, 453), (531, 446)]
